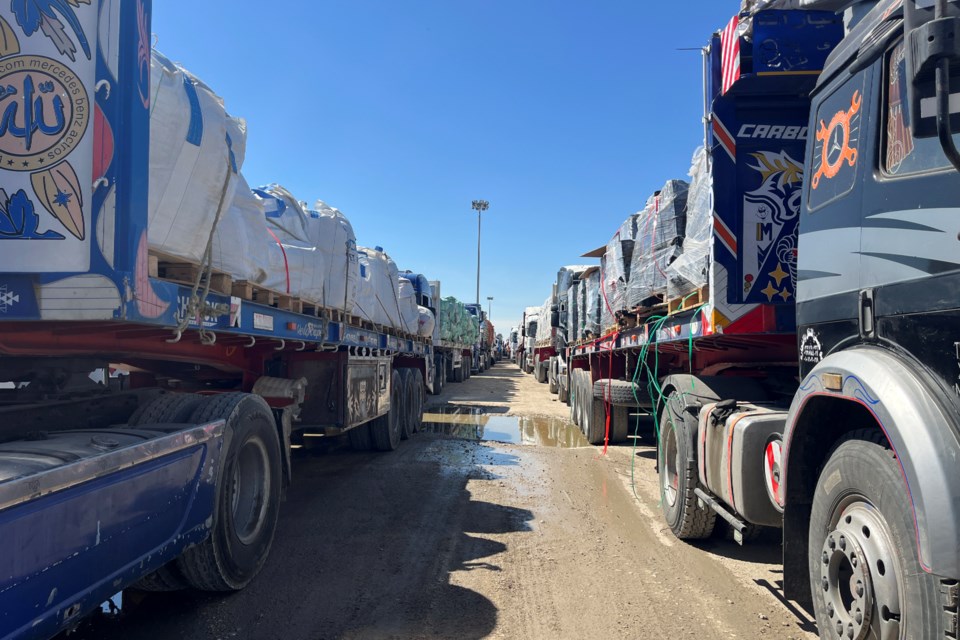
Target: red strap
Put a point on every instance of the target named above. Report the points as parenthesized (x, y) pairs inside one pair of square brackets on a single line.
[(286, 265)]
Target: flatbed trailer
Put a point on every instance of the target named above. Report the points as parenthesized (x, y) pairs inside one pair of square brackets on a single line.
[(146, 425)]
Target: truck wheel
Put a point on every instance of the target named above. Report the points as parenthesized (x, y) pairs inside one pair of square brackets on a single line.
[(247, 499), (575, 397), (563, 391), (619, 392), (416, 400), (678, 474), (865, 573), (552, 376), (458, 373), (171, 408), (542, 372), (450, 372), (386, 429), (360, 438), (405, 397), (595, 415)]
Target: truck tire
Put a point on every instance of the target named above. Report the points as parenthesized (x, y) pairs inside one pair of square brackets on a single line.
[(360, 438), (861, 499), (552, 375), (439, 378), (386, 430), (542, 372), (416, 400), (450, 371), (595, 416), (575, 397), (677, 465), (623, 393), (171, 408), (563, 391), (168, 408), (405, 393), (247, 497), (458, 373)]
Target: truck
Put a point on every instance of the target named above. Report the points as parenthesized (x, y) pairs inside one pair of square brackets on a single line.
[(454, 339), (171, 474), (811, 383), (528, 338), (483, 348)]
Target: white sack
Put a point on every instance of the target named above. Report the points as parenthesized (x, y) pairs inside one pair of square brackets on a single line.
[(378, 296), (332, 234), (409, 312), (426, 322), (193, 170), (304, 271)]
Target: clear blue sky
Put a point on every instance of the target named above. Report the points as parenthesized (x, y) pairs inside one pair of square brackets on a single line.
[(564, 114)]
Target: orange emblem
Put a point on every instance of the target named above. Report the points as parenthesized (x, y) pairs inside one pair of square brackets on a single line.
[(835, 141)]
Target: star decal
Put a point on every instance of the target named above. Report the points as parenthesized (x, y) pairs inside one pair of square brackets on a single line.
[(770, 291), (62, 199), (778, 274), (785, 294)]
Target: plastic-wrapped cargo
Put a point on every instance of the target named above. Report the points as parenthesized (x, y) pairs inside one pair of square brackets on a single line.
[(573, 313), (457, 325), (661, 229), (690, 270), (422, 286), (663, 222), (544, 330), (332, 234), (426, 322), (193, 166), (304, 269), (590, 318), (615, 266), (378, 296), (409, 310), (242, 246)]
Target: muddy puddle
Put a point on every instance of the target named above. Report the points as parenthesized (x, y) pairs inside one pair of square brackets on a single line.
[(475, 423)]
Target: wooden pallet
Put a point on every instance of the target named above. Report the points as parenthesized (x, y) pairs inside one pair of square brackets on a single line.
[(181, 271), (689, 301), (262, 295)]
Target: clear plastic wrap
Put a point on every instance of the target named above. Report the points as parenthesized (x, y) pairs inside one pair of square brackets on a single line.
[(573, 312), (660, 233), (615, 274), (590, 322), (544, 328), (690, 270)]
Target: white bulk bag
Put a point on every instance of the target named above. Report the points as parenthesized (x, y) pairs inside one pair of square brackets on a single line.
[(409, 312), (192, 168), (332, 234), (427, 322), (303, 268), (378, 297)]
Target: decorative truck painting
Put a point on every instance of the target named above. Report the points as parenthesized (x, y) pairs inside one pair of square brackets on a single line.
[(68, 77)]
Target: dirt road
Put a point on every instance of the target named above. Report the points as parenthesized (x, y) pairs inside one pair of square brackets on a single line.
[(455, 538)]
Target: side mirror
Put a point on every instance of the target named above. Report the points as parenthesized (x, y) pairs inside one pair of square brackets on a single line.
[(933, 66)]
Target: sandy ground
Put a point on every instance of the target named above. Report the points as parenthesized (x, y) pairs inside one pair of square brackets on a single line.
[(452, 538)]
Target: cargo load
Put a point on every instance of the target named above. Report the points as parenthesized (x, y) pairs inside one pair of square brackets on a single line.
[(196, 150), (691, 268), (378, 297), (457, 325), (660, 231)]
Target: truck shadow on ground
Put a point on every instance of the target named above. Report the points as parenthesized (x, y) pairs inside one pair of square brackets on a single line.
[(367, 547), (498, 385)]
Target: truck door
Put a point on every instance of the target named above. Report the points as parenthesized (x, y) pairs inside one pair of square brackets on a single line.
[(910, 252), (829, 249)]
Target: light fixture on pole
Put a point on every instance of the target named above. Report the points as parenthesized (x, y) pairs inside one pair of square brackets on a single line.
[(479, 206), (489, 306)]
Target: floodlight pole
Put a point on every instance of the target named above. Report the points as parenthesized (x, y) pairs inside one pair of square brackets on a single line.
[(479, 206)]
